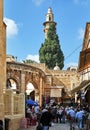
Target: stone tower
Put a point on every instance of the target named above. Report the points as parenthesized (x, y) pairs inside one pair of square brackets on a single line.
[(49, 21), (2, 60)]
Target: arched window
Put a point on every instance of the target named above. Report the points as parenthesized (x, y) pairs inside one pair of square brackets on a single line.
[(49, 18), (11, 84)]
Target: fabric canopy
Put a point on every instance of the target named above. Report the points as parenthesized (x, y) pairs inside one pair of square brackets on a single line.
[(31, 102)]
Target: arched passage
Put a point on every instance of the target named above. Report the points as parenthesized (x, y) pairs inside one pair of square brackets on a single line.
[(32, 92), (87, 95)]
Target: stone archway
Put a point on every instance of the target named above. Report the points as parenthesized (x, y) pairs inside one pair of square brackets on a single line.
[(12, 84), (87, 94), (32, 91), (23, 74)]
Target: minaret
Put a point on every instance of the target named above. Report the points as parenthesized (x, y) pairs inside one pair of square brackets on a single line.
[(2, 60), (49, 21)]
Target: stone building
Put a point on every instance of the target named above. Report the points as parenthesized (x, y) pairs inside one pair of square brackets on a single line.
[(8, 100), (2, 61), (84, 67)]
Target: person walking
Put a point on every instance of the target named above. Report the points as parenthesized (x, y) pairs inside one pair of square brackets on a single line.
[(71, 114), (29, 115), (79, 118), (63, 115), (46, 119), (60, 110)]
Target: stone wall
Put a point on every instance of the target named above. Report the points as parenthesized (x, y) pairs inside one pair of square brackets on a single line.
[(15, 123), (14, 108), (2, 60)]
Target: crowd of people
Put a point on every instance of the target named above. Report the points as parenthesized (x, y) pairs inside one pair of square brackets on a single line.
[(49, 115)]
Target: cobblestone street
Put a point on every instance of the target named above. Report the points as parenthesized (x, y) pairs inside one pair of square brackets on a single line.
[(56, 126)]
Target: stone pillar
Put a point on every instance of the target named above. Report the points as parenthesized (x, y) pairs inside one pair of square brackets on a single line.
[(37, 95), (23, 91), (22, 82), (2, 60), (41, 91)]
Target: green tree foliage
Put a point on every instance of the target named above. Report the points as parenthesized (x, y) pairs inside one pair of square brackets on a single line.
[(50, 52)]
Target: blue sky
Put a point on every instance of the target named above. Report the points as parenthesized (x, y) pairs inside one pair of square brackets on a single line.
[(24, 20)]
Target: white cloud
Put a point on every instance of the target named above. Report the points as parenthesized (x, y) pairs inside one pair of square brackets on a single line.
[(33, 57), (38, 2), (12, 28), (81, 33)]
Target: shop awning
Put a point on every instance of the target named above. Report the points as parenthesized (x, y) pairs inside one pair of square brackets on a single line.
[(81, 86)]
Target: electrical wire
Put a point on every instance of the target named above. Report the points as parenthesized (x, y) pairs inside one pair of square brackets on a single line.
[(73, 52)]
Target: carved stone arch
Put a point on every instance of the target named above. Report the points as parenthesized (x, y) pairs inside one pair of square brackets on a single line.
[(32, 82), (32, 93), (32, 78), (15, 80), (35, 85)]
